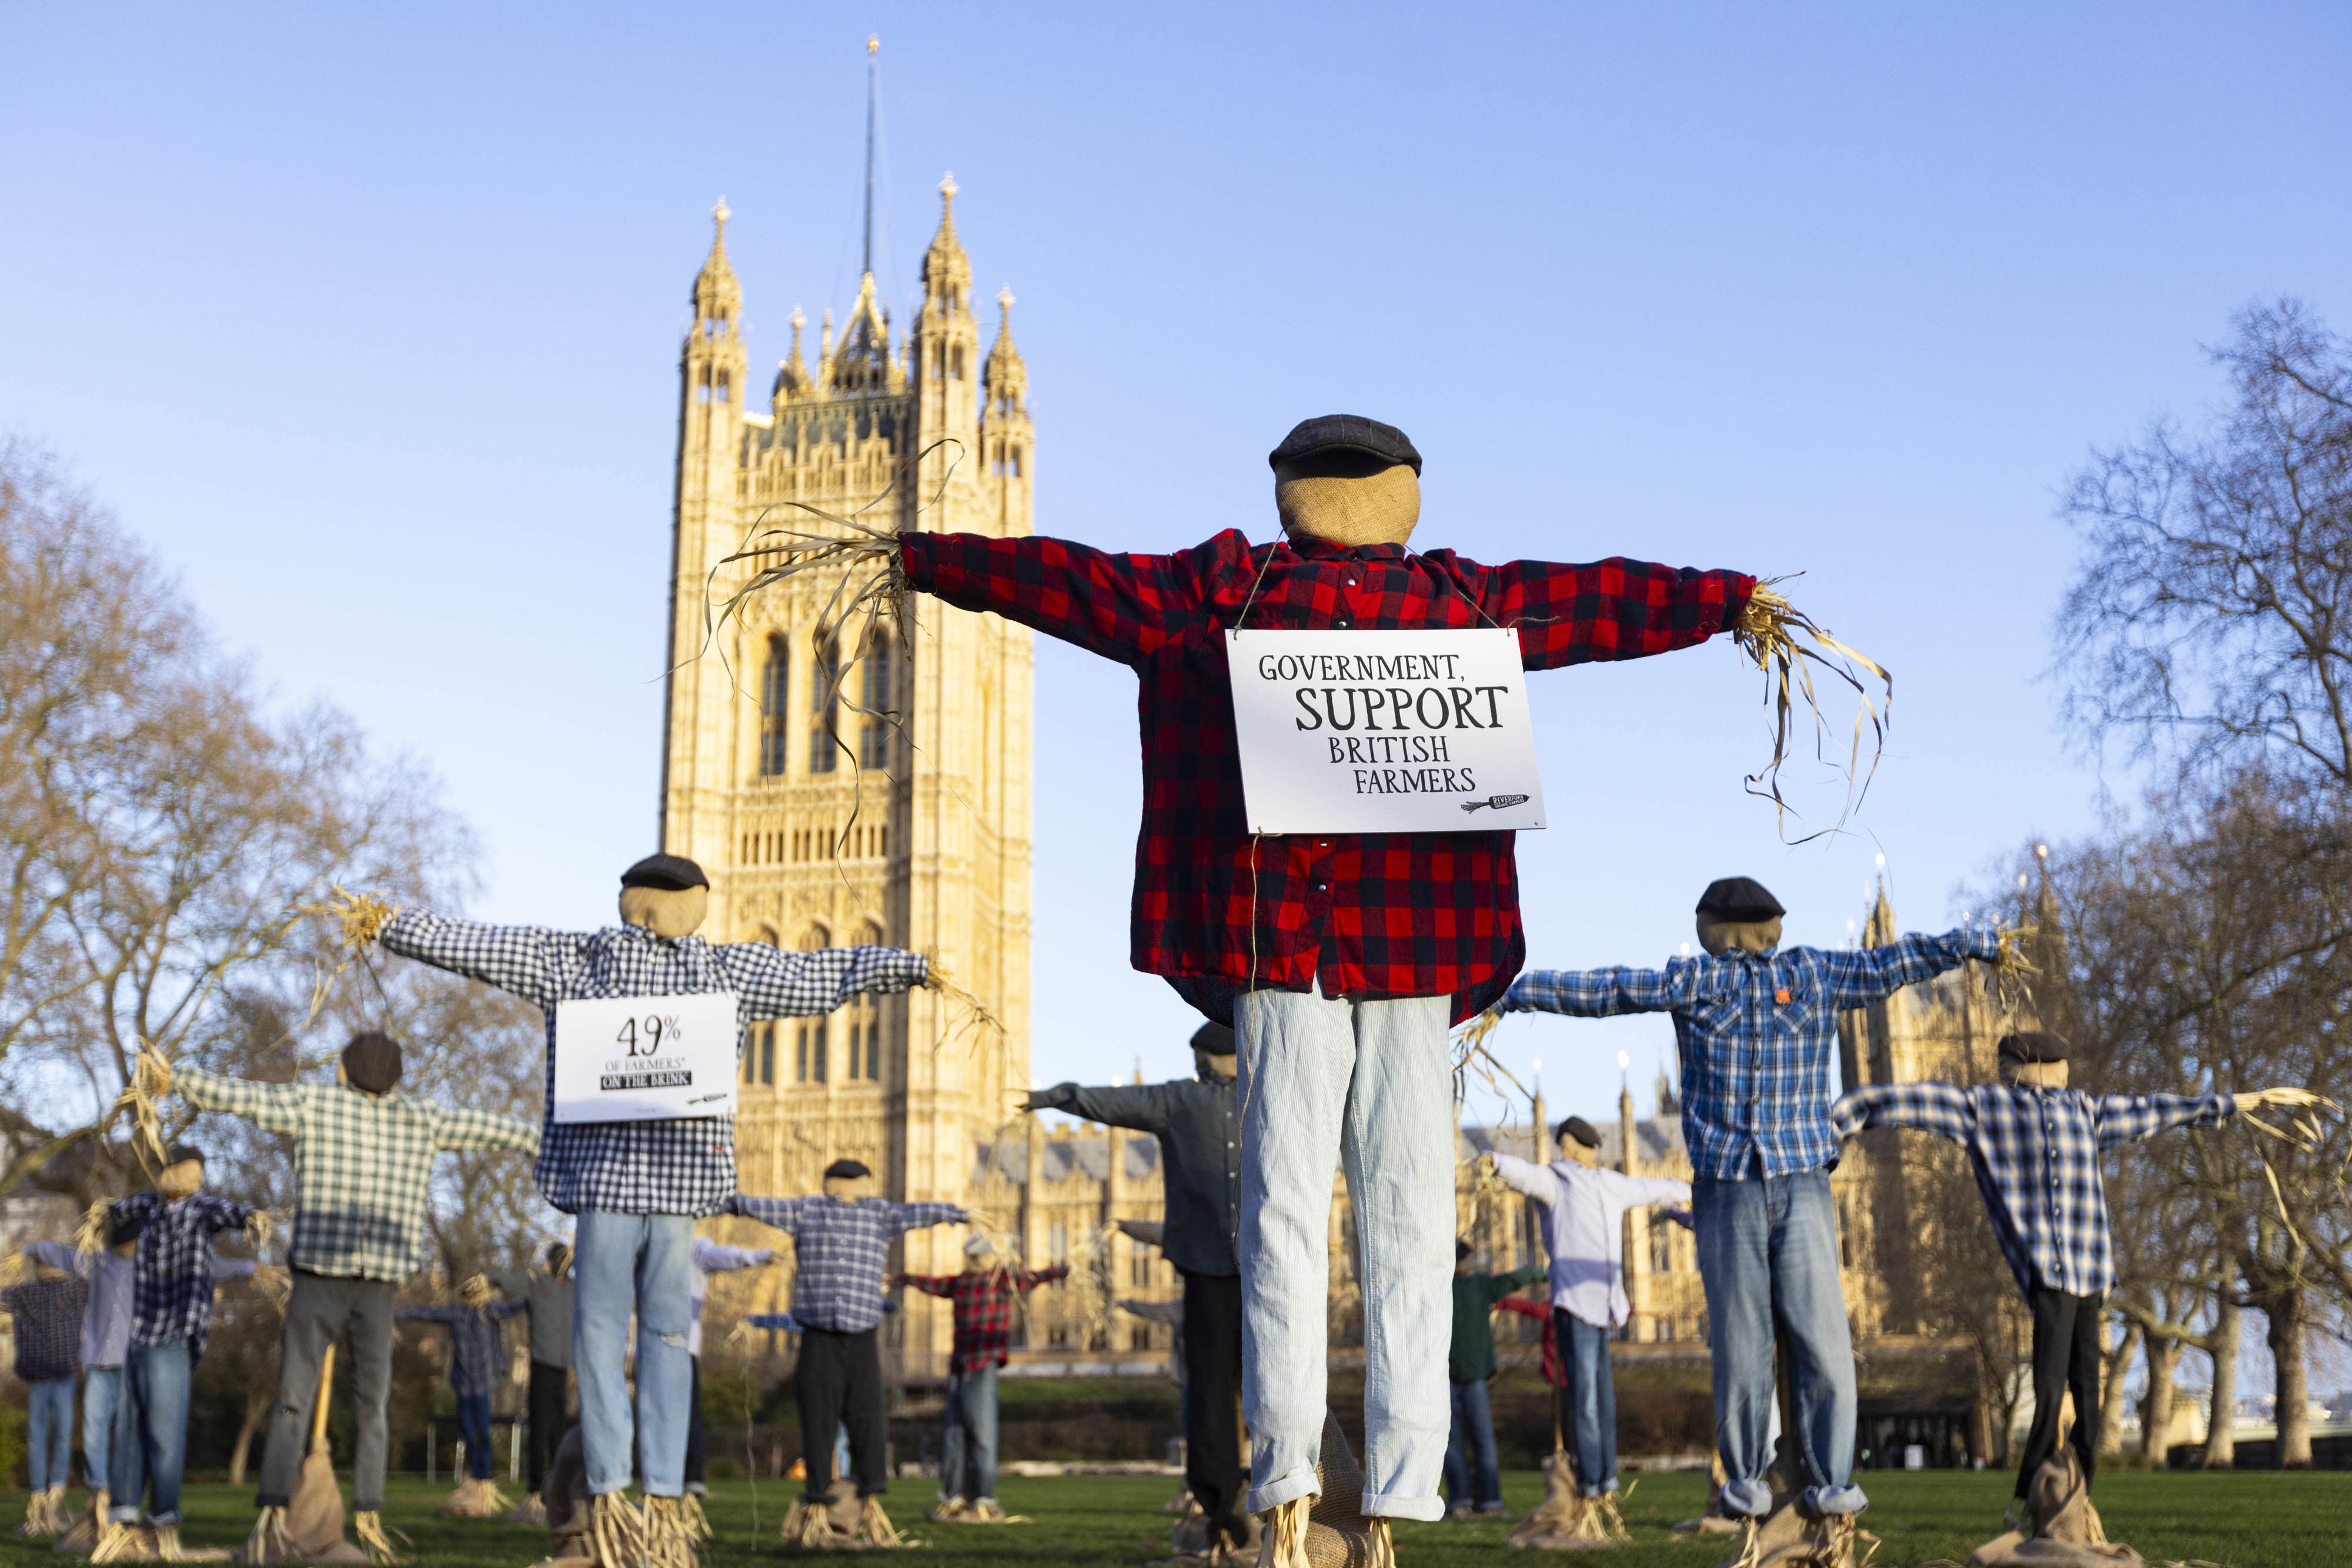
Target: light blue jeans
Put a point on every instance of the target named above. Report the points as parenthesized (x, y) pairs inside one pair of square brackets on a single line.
[(1366, 1086), (625, 1264), (50, 1438), (1591, 1398), (101, 1393), (1763, 1243), (968, 1453), (151, 1432)]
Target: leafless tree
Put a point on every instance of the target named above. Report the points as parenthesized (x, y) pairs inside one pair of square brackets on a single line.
[(2210, 619)]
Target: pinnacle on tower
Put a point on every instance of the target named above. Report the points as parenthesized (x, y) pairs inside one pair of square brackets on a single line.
[(718, 298)]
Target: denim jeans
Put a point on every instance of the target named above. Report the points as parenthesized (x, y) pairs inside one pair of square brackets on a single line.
[(50, 1439), (1591, 1397), (623, 1264), (1767, 1243), (1367, 1086), (474, 1427), (101, 1394), (151, 1432), (1471, 1442), (968, 1456)]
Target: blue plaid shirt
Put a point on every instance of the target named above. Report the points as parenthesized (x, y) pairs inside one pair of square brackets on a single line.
[(172, 1273), (2036, 1154), (681, 1166), (841, 1251), (478, 1357), (1757, 1034)]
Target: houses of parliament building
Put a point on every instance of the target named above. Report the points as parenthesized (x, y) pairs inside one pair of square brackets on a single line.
[(880, 792)]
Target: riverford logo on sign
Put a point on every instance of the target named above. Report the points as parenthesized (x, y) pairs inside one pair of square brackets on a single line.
[(644, 1058), (1383, 732)]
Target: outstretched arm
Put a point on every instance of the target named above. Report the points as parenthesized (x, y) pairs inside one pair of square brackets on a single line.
[(2128, 1118), (1030, 1279), (427, 1314), (523, 959), (1859, 978), (1121, 606), (1614, 609), (784, 1321), (941, 1285), (464, 1127), (1601, 993), (226, 1267), (1943, 1109), (272, 1107), (783, 1213), (915, 1216), (718, 1257), (1141, 1107), (771, 983), (1524, 1177)]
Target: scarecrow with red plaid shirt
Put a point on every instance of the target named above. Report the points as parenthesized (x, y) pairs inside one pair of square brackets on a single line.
[(985, 1294), (1340, 960)]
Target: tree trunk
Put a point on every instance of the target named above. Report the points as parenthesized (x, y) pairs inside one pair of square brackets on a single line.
[(2156, 1404), (2118, 1361), (257, 1411), (2286, 1336), (2221, 1409)]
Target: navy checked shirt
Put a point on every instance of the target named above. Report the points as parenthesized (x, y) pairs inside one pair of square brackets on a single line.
[(172, 1274), (48, 1314), (841, 1251), (477, 1341), (681, 1166), (1757, 1033), (2036, 1154)]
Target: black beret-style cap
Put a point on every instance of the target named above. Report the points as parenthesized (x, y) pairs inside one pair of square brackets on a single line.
[(2031, 1045), (181, 1152), (129, 1228), (1213, 1040), (1345, 433), (673, 873), (847, 1170), (1580, 1130), (1739, 898), (371, 1062)]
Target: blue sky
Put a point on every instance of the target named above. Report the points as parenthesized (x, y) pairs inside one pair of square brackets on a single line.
[(368, 319)]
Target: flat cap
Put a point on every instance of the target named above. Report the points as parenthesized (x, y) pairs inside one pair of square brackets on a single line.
[(1739, 898), (129, 1228), (674, 874), (847, 1170), (979, 1247), (1213, 1040), (2031, 1045), (181, 1152), (1345, 433), (1580, 1130), (371, 1062)]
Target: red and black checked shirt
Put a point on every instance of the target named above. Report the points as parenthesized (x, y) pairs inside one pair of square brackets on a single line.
[(983, 1308), (1369, 915)]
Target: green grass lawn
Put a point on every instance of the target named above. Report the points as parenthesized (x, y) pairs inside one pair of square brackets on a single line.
[(2248, 1519)]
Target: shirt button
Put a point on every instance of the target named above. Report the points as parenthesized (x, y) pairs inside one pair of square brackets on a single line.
[(1322, 887)]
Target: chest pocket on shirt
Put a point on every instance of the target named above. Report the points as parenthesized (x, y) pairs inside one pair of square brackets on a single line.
[(1797, 1013)]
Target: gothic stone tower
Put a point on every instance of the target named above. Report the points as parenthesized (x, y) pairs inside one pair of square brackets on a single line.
[(895, 809)]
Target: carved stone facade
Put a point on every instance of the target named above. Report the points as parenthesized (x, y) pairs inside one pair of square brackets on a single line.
[(856, 789)]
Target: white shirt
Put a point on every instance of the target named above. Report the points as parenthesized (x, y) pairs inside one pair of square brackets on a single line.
[(706, 1259), (1584, 1231)]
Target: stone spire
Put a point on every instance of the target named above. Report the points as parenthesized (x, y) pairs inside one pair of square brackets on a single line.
[(718, 298), (793, 371)]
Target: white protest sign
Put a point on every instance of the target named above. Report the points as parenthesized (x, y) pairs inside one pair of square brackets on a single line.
[(1383, 732), (644, 1058)]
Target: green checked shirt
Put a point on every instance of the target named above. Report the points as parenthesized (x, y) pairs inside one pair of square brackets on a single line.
[(362, 1163)]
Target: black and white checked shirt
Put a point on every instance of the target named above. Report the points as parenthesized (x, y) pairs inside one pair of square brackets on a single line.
[(361, 1164), (172, 1273), (2036, 1155), (48, 1314), (682, 1166)]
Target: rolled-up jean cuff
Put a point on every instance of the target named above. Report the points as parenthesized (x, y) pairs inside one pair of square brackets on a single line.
[(1752, 1499), (1847, 1498), (1603, 1489), (1284, 1488), (1428, 1509)]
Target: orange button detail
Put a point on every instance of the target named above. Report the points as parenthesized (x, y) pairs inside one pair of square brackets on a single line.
[(1781, 997)]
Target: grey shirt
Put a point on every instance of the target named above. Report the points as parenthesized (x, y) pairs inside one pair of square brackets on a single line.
[(549, 1301), (1198, 1123)]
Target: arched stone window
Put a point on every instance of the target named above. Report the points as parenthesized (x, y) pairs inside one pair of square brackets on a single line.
[(775, 689)]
